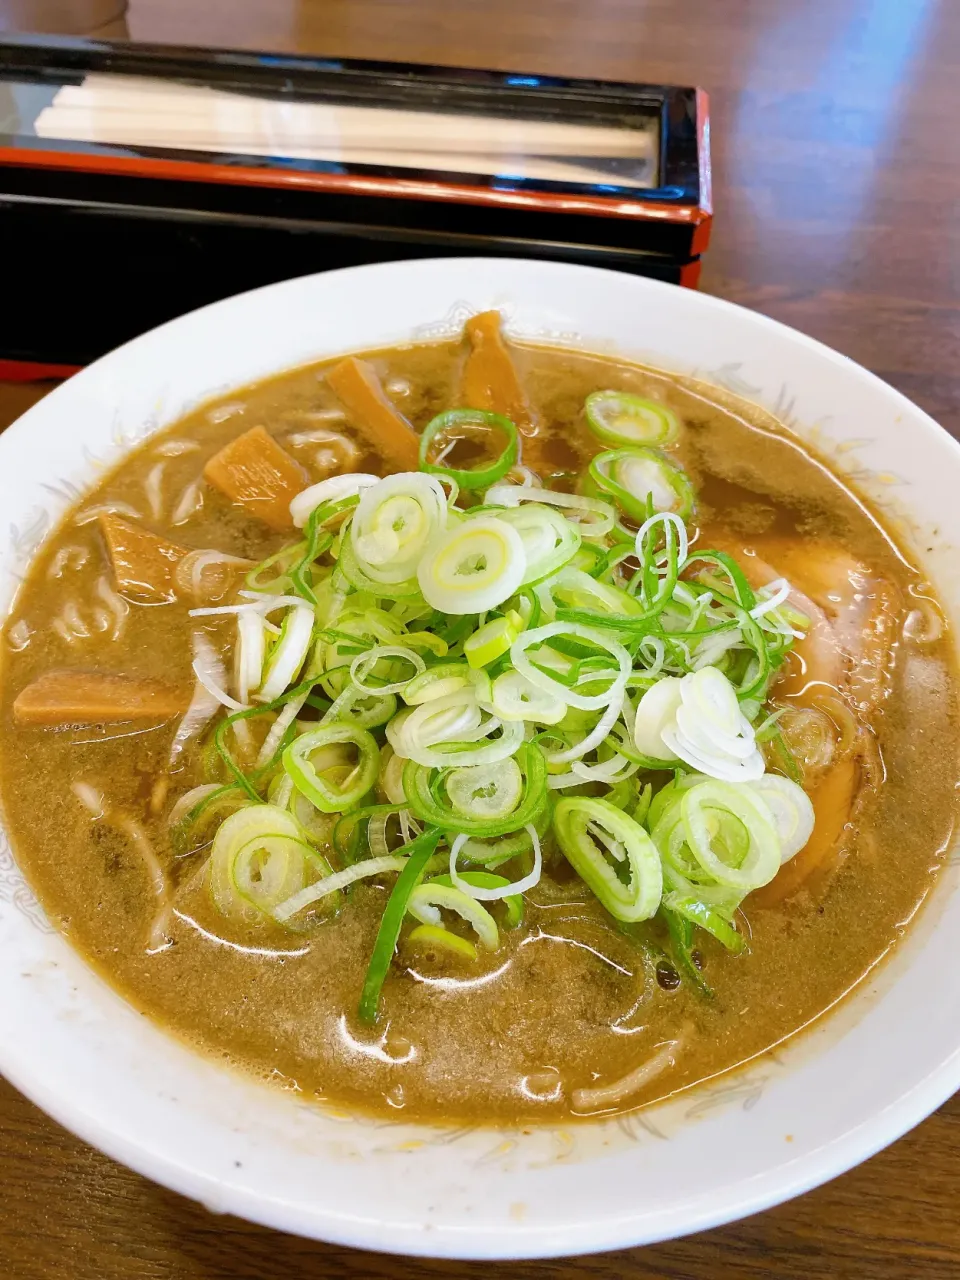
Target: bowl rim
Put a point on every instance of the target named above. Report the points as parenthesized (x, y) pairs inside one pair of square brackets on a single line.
[(833, 1158)]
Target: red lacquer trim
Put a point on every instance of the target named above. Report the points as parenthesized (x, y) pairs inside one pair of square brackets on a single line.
[(32, 371), (351, 184), (701, 236), (690, 275)]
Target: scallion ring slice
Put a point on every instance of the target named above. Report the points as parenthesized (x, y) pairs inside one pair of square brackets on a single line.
[(368, 710), (494, 853), (473, 567), (332, 489), (457, 422), (677, 545), (708, 918), (512, 901), (656, 710), (365, 664), (792, 811), (394, 523), (496, 893), (261, 837), (485, 791), (709, 732), (594, 560), (429, 937), (586, 702), (618, 417), (700, 808), (581, 825), (288, 653), (514, 697), (268, 868), (638, 478), (427, 899), (576, 589), (452, 730), (338, 880), (742, 592), (356, 577), (490, 642), (317, 541), (321, 790), (425, 790), (595, 517), (549, 539), (437, 682), (250, 653)]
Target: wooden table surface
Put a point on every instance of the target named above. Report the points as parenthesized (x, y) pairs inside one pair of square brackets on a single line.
[(837, 182)]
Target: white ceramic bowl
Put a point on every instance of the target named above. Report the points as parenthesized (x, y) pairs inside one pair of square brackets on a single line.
[(858, 1080)]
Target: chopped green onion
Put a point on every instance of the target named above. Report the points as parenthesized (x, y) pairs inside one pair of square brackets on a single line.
[(358, 579), (317, 541), (394, 524), (531, 647), (742, 591), (224, 727), (418, 853), (494, 853), (282, 561), (529, 607), (336, 881), (791, 809), (722, 834), (287, 655), (452, 730), (193, 812), (576, 589), (591, 559), (680, 930), (352, 835), (489, 642), (708, 918), (549, 684), (333, 489), (514, 697), (498, 892)]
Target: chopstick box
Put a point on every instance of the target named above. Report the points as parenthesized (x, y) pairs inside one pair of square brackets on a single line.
[(149, 180)]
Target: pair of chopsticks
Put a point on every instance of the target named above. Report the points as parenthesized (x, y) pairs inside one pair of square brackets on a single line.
[(138, 111)]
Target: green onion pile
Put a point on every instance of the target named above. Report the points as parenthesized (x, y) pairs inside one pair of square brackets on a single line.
[(452, 678)]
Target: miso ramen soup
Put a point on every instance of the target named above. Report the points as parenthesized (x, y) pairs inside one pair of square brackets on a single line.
[(478, 731)]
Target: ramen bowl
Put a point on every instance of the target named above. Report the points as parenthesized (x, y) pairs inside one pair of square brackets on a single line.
[(825, 1100)]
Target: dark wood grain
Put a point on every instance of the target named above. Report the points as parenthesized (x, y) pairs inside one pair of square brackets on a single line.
[(837, 174)]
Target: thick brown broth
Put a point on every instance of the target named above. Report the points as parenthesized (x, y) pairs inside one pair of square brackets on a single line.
[(570, 1000)]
